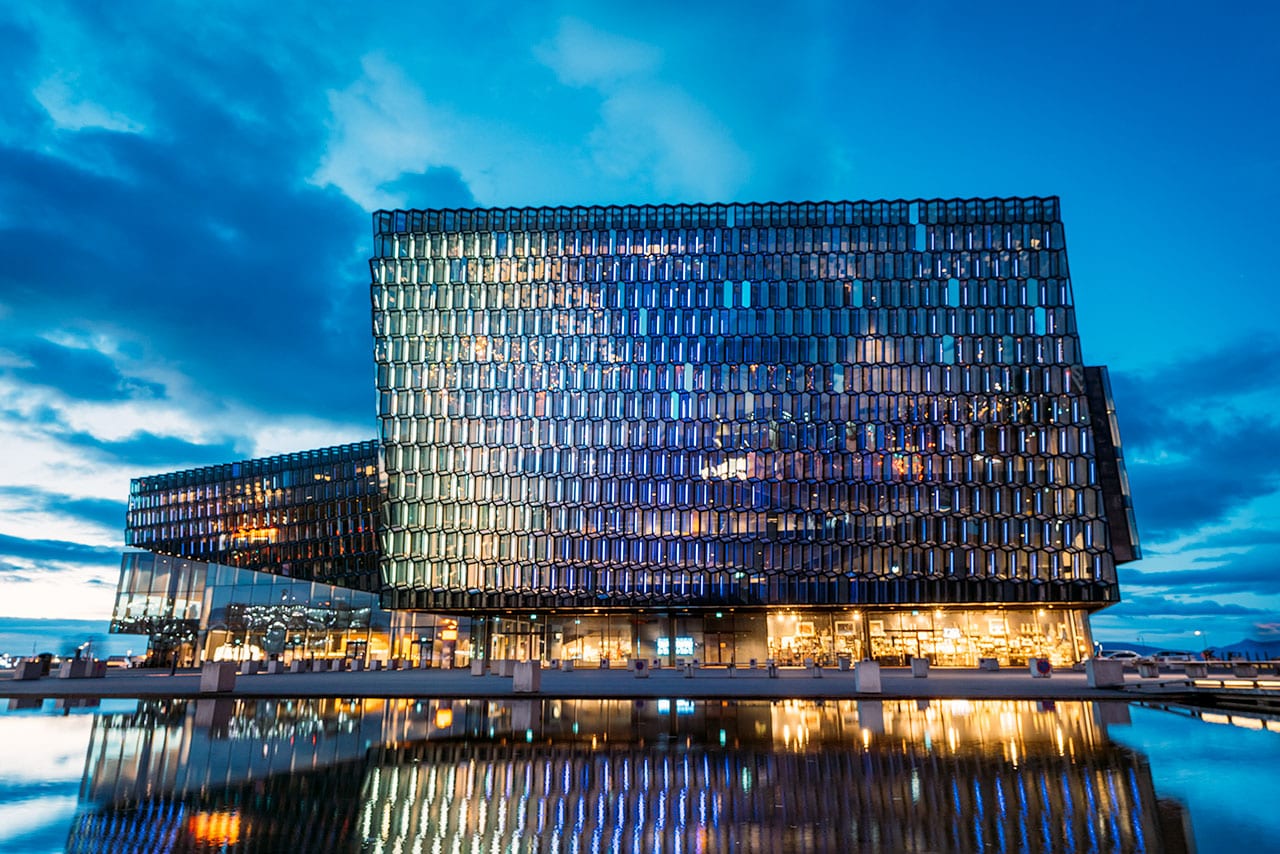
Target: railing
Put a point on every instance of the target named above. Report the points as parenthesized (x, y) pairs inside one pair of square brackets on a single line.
[(1270, 687)]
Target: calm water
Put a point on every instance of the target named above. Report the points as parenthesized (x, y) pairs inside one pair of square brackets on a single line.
[(635, 776)]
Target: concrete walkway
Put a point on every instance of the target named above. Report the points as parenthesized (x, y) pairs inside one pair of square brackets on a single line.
[(707, 684)]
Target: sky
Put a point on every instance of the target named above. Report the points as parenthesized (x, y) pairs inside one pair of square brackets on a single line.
[(186, 189)]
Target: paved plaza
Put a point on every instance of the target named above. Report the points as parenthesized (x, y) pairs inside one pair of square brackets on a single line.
[(706, 684)]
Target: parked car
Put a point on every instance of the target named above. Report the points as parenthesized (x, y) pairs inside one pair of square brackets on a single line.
[(1172, 656), (1125, 655)]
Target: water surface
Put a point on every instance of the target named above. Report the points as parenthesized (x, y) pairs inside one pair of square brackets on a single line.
[(636, 776)]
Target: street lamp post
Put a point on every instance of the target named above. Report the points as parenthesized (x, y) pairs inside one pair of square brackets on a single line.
[(1204, 642)]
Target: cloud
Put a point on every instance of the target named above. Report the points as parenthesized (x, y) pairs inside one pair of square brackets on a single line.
[(1241, 367), (382, 128), (19, 113), (146, 451), (71, 590), (434, 187), (660, 136), (582, 55), (1253, 572), (650, 131), (60, 98), (55, 551), (240, 258), (104, 512), (81, 372), (1200, 441), (1156, 606)]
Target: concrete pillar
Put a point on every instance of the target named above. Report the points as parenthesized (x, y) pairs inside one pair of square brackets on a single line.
[(217, 677), (526, 677), (866, 677), (1104, 673), (29, 668)]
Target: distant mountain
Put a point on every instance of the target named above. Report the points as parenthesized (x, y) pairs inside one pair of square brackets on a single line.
[(1247, 648), (1258, 650)]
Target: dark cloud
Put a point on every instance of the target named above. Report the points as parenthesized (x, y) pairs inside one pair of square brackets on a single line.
[(1240, 538), (56, 551), (1225, 469), (439, 187), (17, 110), (203, 232), (147, 451), (80, 373), (236, 285), (1194, 449), (1242, 366), (100, 511), (1163, 606), (1255, 571)]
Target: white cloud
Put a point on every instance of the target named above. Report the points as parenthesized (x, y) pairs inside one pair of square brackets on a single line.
[(273, 435), (582, 55), (650, 132), (61, 97), (10, 359), (36, 451), (80, 592), (660, 135), (613, 126), (381, 127)]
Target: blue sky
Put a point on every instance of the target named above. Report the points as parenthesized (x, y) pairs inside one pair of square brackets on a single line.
[(185, 193)]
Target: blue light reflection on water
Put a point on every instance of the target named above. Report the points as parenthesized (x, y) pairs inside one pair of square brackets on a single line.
[(997, 774), (1228, 776)]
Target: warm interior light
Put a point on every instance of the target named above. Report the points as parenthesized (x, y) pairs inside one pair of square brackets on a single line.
[(216, 828), (256, 535)]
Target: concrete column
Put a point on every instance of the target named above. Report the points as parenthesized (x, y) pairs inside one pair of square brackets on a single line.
[(866, 677)]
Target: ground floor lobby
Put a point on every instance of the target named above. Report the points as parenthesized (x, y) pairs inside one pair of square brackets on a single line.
[(194, 611), (949, 637)]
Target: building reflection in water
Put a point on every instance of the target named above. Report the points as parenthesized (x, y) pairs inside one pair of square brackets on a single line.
[(636, 776)]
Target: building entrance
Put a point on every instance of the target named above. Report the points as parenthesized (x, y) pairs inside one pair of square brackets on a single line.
[(719, 647), (519, 638)]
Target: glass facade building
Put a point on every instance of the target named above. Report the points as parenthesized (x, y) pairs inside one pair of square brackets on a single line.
[(275, 556), (198, 611), (311, 515), (759, 430), (716, 432)]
